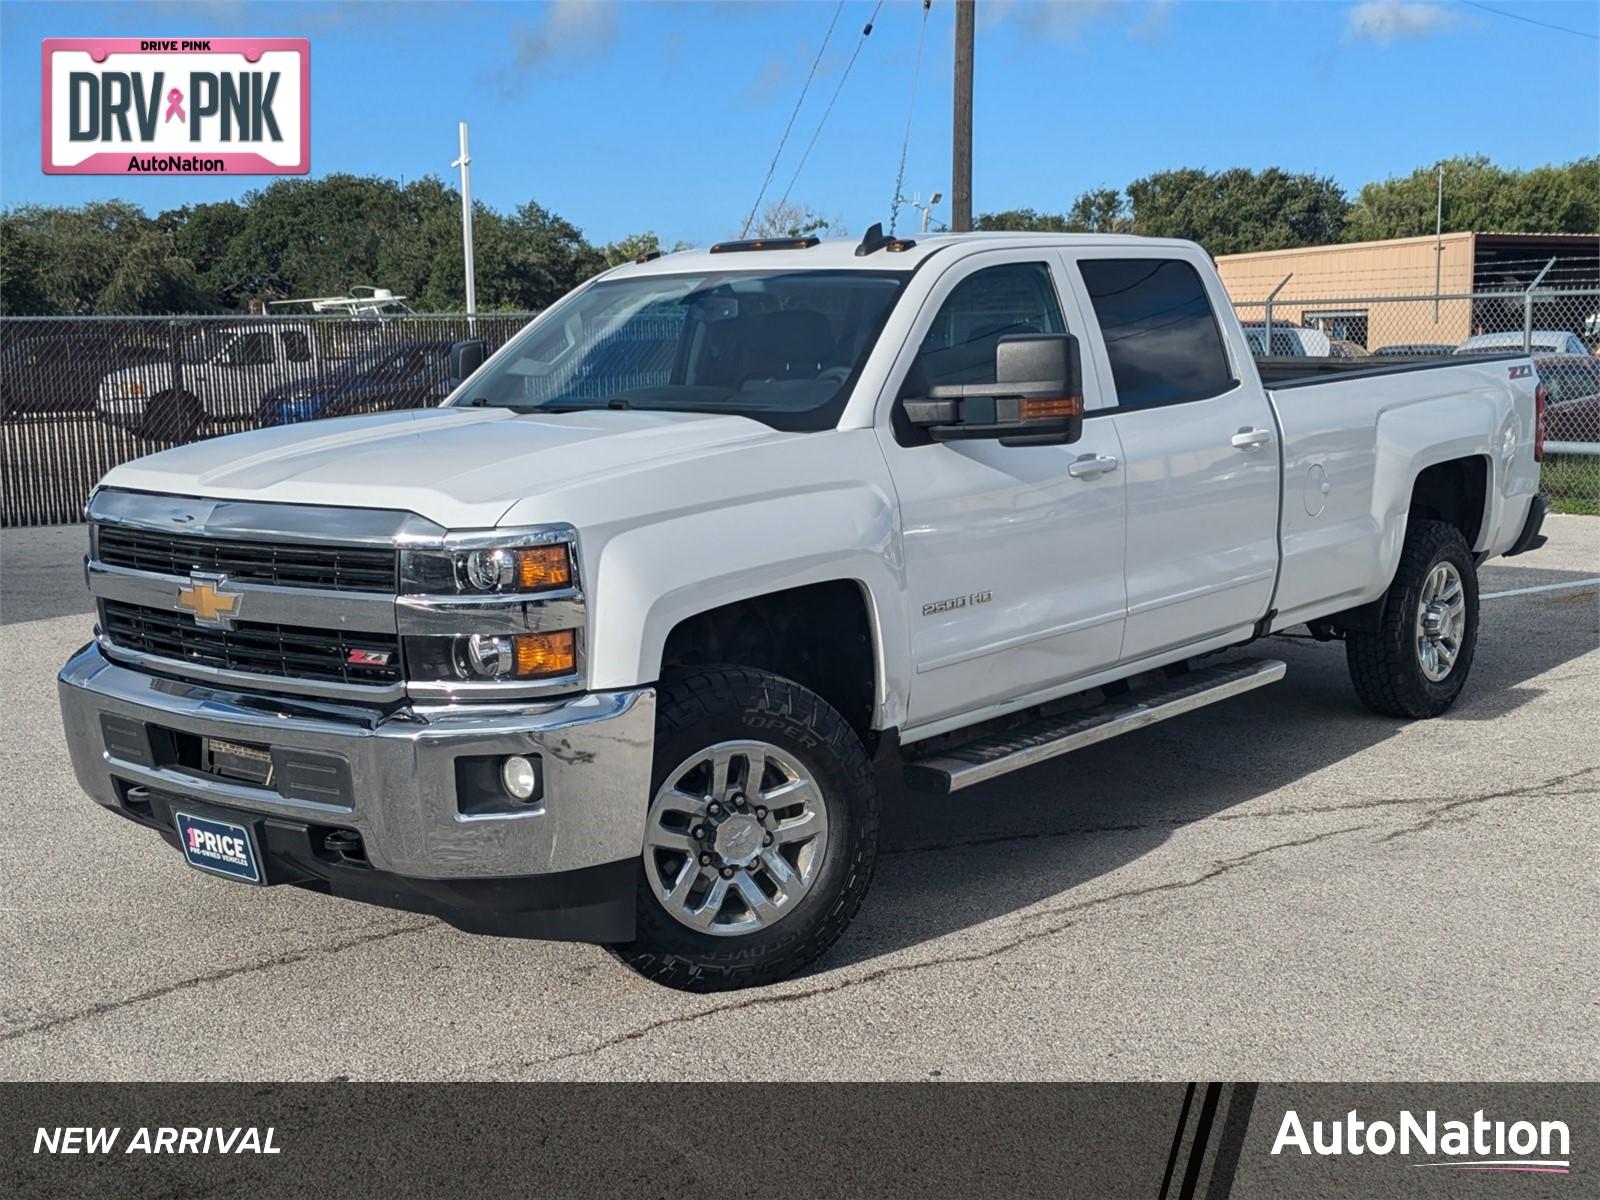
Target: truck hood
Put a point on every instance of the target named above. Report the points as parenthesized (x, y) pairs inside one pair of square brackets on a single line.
[(461, 467)]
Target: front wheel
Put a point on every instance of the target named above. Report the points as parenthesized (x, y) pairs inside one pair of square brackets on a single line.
[(761, 834), (1416, 662)]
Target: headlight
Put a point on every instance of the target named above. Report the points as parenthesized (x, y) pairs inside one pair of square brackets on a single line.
[(493, 657), (544, 565), (524, 569)]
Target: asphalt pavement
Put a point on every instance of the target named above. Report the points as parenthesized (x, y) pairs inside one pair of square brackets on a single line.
[(1279, 887)]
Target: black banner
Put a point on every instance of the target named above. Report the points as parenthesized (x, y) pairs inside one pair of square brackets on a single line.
[(705, 1139)]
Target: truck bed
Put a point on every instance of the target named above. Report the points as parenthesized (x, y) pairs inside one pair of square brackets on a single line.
[(1355, 438)]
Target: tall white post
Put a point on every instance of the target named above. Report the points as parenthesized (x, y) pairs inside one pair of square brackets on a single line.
[(465, 163)]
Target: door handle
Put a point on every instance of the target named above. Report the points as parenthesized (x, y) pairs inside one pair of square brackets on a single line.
[(1249, 439), (1092, 466)]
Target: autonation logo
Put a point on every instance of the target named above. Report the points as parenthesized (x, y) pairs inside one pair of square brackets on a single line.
[(1476, 1145)]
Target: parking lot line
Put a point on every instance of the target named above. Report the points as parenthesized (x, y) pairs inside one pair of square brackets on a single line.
[(1543, 587)]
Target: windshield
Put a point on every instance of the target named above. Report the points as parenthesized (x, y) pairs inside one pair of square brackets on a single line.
[(782, 348)]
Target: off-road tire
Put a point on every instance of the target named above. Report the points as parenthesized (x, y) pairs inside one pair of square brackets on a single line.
[(704, 706), (1384, 666)]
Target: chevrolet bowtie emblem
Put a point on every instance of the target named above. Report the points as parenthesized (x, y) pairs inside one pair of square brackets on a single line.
[(205, 598)]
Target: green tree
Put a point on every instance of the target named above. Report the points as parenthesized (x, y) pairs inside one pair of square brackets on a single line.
[(65, 257), (151, 278), (1022, 220), (790, 218), (1239, 210), (1480, 197), (1100, 210)]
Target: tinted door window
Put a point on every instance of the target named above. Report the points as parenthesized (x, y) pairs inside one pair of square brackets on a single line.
[(1160, 333), (251, 350), (984, 307), (296, 346)]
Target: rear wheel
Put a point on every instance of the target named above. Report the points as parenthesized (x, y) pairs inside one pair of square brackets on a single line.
[(761, 834), (1416, 662)]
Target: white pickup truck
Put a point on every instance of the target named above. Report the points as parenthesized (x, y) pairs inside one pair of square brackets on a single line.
[(618, 644), (214, 375)]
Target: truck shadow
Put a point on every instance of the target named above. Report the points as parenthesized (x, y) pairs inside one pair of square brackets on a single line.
[(1041, 834)]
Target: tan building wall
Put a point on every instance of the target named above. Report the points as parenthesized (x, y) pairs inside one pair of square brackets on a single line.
[(1339, 288)]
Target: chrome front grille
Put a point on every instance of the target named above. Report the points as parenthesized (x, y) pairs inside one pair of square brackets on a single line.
[(314, 600), (282, 651), (330, 567)]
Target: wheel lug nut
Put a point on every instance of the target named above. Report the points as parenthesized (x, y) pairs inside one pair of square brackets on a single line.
[(705, 860), (714, 809), (738, 799), (761, 813), (767, 841), (727, 872)]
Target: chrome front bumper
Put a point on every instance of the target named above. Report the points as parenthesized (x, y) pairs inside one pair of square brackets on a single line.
[(595, 750)]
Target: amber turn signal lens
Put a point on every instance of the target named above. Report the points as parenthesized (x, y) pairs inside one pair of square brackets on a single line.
[(541, 654), (1050, 408), (543, 567)]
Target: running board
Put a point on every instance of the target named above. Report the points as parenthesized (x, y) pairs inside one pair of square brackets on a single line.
[(1049, 737)]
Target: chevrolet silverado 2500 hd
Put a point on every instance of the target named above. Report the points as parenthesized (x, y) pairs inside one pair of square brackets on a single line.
[(615, 644)]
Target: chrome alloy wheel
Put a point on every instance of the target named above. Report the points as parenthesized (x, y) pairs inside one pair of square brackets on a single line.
[(1441, 621), (735, 838)]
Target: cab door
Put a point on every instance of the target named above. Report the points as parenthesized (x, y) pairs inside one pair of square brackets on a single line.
[(1013, 555), (1200, 450)]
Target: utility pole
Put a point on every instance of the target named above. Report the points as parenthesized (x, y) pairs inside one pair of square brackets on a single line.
[(961, 146), (465, 163)]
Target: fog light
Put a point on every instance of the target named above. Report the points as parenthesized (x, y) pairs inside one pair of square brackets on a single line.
[(519, 777)]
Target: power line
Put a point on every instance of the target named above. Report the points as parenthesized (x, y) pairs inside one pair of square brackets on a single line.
[(911, 108), (866, 32), (1500, 12), (784, 140)]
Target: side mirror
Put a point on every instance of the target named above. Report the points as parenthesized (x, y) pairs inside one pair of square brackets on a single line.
[(1035, 400), (465, 358)]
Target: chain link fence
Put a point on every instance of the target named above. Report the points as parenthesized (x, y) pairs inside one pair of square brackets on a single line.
[(82, 394), (1559, 327)]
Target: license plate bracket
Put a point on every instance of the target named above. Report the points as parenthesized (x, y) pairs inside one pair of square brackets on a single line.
[(243, 761)]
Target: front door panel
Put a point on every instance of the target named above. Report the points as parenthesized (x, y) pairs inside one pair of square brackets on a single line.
[(1014, 565)]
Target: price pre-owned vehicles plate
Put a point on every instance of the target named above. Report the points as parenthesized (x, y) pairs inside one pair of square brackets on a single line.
[(221, 847)]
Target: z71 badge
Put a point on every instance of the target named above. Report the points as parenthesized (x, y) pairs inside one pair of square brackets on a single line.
[(955, 602)]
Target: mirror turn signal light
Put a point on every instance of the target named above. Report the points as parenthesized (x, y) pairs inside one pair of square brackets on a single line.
[(1049, 408)]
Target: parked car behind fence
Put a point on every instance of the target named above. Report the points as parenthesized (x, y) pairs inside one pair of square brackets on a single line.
[(86, 393), (403, 375)]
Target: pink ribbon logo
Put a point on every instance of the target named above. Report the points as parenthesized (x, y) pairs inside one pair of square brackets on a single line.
[(175, 105)]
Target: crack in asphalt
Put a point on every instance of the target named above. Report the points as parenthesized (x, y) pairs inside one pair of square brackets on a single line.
[(1070, 911), (1441, 810), (281, 960), (1299, 810)]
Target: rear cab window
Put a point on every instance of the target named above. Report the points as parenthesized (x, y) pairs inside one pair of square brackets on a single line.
[(1161, 335)]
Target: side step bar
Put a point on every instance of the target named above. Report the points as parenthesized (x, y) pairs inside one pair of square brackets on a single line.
[(1049, 737)]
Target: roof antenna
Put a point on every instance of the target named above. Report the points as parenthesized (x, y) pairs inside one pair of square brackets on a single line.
[(872, 241)]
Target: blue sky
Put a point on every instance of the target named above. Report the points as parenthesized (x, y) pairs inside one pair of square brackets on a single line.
[(664, 116)]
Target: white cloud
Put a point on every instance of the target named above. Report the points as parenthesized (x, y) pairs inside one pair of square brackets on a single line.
[(566, 29), (1385, 21)]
